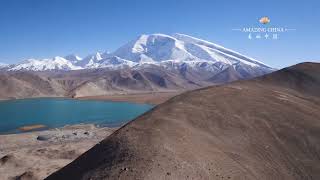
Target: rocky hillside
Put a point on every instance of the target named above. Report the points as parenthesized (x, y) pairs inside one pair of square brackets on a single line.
[(265, 128), (93, 82)]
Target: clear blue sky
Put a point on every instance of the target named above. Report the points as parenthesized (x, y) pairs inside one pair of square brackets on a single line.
[(46, 28)]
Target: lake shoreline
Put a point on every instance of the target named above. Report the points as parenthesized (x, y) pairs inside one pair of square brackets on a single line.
[(46, 113), (43, 152), (152, 98), (33, 127), (40, 152)]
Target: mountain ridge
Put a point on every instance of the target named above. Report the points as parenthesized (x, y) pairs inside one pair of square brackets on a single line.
[(149, 63), (146, 49)]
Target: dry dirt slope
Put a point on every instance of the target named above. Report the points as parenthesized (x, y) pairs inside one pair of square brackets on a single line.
[(97, 82), (266, 128)]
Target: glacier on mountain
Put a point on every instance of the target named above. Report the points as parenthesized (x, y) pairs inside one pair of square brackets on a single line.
[(162, 50)]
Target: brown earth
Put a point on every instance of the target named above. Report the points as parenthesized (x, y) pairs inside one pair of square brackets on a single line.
[(265, 128), (25, 157)]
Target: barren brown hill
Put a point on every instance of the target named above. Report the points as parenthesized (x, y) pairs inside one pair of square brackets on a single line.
[(28, 84), (98, 82), (266, 128)]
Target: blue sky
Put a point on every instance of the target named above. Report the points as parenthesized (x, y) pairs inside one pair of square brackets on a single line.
[(46, 28)]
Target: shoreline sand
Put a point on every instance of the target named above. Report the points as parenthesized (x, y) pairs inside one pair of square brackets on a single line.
[(37, 154), (32, 127)]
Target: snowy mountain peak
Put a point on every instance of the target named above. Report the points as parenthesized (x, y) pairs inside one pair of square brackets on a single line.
[(215, 48), (180, 47), (57, 63), (140, 44), (97, 56), (176, 51), (73, 58), (59, 59), (154, 47)]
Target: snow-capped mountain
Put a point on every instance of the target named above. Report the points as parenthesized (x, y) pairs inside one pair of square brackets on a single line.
[(150, 63), (176, 52), (57, 63), (73, 58)]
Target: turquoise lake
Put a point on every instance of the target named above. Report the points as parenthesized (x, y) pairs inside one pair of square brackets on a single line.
[(55, 112)]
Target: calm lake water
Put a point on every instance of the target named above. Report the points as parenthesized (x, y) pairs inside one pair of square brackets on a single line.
[(53, 113)]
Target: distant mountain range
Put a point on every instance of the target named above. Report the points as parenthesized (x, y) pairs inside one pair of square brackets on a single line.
[(154, 62), (156, 49)]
